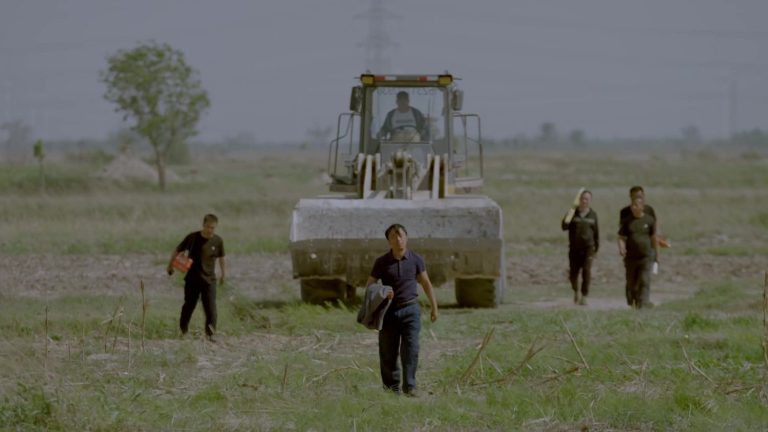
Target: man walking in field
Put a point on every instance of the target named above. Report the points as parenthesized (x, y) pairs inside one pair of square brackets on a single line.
[(637, 235), (401, 269), (636, 192), (203, 247), (583, 243)]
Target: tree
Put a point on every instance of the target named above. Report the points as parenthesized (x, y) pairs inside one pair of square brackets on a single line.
[(549, 133), (153, 85)]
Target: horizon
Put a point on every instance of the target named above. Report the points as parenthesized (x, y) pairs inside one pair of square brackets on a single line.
[(276, 71)]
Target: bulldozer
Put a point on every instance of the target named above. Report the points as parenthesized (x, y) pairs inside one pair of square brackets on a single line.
[(404, 153)]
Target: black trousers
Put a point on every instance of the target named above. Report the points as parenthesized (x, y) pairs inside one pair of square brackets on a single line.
[(195, 289), (581, 262)]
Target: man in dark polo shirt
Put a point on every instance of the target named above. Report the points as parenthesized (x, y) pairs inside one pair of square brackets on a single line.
[(204, 247), (401, 269), (637, 235)]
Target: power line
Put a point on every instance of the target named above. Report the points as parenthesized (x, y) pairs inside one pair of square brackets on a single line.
[(377, 41)]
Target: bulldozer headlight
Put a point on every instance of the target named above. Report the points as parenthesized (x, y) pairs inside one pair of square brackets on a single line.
[(367, 79)]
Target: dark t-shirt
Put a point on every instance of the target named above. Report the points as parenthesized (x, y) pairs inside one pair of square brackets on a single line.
[(399, 274), (627, 212), (583, 231), (638, 232), (203, 252)]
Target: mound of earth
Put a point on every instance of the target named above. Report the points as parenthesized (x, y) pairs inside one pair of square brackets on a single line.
[(130, 168)]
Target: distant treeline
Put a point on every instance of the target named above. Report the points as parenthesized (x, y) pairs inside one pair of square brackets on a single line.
[(549, 136), (17, 141)]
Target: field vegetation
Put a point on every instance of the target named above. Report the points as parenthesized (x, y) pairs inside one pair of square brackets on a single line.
[(84, 347)]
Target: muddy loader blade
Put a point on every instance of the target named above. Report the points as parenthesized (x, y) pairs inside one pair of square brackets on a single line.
[(459, 237)]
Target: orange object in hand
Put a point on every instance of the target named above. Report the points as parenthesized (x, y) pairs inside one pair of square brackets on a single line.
[(182, 262)]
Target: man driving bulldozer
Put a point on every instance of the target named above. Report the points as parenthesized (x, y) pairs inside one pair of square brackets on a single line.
[(403, 123)]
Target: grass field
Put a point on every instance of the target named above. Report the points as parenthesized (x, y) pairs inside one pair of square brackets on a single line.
[(76, 355)]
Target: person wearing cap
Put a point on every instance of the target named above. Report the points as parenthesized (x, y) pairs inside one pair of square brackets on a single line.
[(401, 269), (404, 117)]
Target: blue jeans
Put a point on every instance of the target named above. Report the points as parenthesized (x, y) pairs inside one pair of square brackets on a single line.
[(399, 336)]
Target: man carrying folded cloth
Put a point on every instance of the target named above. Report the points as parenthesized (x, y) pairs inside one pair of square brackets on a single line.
[(401, 269)]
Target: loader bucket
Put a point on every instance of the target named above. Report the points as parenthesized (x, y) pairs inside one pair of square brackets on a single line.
[(334, 243)]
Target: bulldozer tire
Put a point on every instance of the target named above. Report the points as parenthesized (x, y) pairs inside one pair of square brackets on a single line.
[(478, 293), (321, 291)]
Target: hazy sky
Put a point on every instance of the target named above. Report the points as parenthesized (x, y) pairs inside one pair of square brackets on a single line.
[(275, 68)]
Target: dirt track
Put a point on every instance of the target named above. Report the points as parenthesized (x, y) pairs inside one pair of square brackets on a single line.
[(265, 276)]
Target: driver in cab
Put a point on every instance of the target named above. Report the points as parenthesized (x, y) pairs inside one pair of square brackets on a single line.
[(403, 123)]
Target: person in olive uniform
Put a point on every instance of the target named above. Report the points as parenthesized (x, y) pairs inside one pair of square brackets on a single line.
[(638, 192), (583, 243), (637, 237)]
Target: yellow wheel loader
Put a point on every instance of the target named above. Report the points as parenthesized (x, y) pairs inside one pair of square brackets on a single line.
[(404, 153)]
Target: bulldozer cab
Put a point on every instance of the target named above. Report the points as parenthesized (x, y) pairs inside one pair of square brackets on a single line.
[(415, 115)]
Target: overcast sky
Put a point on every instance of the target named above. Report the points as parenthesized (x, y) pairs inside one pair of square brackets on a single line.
[(275, 68)]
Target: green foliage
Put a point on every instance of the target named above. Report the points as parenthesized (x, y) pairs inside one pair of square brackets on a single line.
[(256, 194), (28, 407), (694, 321), (25, 180), (39, 151), (293, 366), (153, 86)]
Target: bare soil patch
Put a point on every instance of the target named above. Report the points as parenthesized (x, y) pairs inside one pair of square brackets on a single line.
[(679, 277), (268, 276)]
